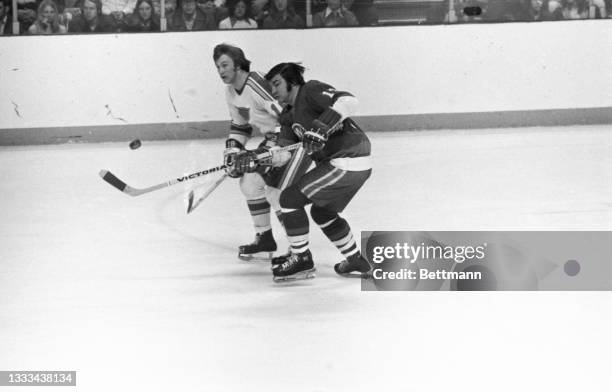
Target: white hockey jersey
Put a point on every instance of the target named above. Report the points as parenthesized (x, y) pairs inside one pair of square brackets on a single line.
[(253, 105)]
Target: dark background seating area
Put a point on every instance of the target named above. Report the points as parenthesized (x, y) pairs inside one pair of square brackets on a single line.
[(114, 16)]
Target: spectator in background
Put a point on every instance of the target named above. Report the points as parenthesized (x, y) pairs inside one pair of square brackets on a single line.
[(143, 18), (260, 9), (575, 9), (211, 10), (170, 6), (316, 6), (190, 18), (91, 19), (365, 11), (283, 16), (600, 9), (71, 6), (69, 10), (26, 14), (239, 16), (546, 10), (507, 11), (47, 21), (6, 22), (334, 15), (118, 9)]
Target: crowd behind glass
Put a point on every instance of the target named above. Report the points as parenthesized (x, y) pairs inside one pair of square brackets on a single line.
[(114, 16)]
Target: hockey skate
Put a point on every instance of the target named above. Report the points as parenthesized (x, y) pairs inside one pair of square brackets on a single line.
[(261, 249), (355, 266), (295, 267), (278, 260)]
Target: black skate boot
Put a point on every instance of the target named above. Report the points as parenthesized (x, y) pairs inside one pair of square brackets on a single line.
[(261, 249), (278, 260), (296, 266), (355, 263)]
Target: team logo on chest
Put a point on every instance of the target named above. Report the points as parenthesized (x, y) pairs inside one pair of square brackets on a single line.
[(299, 130), (244, 112)]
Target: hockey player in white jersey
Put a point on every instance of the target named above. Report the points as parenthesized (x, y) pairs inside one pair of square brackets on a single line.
[(250, 103)]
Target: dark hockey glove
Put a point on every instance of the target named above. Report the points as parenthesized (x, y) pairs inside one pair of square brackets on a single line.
[(249, 161), (232, 149), (246, 162), (315, 139)]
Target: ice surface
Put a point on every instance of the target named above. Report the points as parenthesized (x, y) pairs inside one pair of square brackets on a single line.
[(136, 295)]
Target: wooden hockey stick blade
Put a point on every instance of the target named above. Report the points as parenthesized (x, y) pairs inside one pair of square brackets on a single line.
[(192, 205), (123, 187), (112, 179)]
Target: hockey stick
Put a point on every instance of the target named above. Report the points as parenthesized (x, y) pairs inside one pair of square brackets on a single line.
[(194, 204), (125, 188)]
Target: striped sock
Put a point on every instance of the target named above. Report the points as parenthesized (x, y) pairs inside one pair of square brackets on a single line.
[(260, 213), (339, 232), (296, 224)]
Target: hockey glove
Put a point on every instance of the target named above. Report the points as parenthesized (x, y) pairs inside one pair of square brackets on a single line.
[(232, 149), (246, 162), (315, 139)]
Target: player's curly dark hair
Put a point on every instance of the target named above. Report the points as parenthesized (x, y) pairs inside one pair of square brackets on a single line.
[(293, 73), (233, 52)]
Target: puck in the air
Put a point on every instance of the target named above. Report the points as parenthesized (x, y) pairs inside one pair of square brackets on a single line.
[(134, 144)]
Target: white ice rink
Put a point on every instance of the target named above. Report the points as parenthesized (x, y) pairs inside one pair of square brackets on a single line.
[(135, 295)]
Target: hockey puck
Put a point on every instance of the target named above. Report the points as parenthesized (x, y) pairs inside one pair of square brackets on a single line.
[(134, 144)]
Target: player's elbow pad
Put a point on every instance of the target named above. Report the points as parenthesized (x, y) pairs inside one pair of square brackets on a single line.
[(346, 105)]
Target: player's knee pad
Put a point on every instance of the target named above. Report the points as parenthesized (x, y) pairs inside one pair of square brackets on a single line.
[(252, 186), (273, 196), (292, 197), (322, 215)]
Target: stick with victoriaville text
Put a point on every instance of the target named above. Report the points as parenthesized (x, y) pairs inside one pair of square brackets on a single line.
[(129, 190)]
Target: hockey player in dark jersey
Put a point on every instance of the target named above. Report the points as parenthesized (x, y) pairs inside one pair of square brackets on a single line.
[(318, 115)]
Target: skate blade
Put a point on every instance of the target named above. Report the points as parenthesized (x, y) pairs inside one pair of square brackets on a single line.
[(257, 257), (309, 274), (356, 274)]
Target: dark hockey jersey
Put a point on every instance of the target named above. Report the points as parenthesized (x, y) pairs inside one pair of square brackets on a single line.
[(343, 145)]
